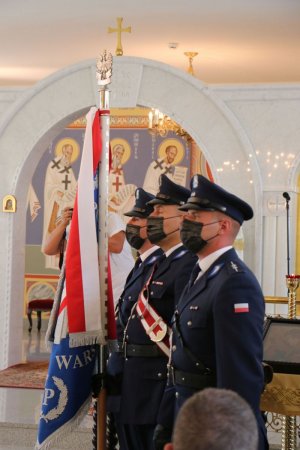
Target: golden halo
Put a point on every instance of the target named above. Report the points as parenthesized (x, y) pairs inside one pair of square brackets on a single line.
[(68, 141), (126, 146), (180, 153)]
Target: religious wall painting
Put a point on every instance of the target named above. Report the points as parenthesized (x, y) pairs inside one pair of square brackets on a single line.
[(120, 154), (134, 150), (59, 188), (9, 204), (170, 153)]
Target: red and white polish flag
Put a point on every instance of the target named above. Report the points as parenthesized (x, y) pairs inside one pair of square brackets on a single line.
[(241, 307)]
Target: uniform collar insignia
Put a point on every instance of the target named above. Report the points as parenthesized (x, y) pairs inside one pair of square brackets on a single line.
[(153, 259), (181, 253), (215, 270)]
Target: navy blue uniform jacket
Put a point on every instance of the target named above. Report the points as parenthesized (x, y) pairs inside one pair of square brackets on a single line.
[(144, 379), (220, 335), (134, 283)]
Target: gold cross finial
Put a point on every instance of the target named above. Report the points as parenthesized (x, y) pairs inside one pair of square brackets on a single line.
[(119, 30)]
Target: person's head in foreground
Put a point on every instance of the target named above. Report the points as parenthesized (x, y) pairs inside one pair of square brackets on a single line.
[(215, 419)]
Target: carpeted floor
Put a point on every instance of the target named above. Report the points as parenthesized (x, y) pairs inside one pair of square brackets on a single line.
[(30, 375)]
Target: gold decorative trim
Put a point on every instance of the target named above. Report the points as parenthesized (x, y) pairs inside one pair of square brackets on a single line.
[(282, 395), (280, 300), (121, 118)]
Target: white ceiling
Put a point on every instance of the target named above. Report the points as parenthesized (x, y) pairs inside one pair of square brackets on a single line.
[(238, 41)]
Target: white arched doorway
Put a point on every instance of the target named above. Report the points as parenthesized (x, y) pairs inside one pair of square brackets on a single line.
[(67, 95)]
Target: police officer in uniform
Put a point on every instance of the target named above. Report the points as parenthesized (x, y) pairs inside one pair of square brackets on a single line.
[(148, 255), (218, 322), (146, 321)]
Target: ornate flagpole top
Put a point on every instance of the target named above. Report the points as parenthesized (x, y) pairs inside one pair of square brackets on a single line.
[(104, 69)]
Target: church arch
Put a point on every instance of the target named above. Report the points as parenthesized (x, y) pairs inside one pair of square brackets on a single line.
[(44, 110)]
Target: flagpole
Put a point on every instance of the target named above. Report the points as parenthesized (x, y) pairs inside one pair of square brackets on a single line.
[(103, 74)]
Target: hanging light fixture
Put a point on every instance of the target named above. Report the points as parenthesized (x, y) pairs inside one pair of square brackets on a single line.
[(160, 124), (191, 56)]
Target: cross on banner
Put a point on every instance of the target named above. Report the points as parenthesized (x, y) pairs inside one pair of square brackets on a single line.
[(119, 30)]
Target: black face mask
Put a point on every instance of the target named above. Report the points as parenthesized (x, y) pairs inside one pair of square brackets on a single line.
[(133, 236), (190, 235), (155, 229)]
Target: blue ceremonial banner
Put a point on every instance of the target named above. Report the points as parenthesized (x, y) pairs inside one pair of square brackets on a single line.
[(67, 390), (76, 323)]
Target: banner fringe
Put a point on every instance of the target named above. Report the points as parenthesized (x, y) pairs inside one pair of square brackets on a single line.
[(65, 429), (86, 338)]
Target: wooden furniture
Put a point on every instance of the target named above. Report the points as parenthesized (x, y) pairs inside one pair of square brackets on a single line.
[(38, 306)]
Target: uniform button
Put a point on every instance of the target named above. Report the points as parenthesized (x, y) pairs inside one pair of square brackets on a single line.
[(127, 337), (159, 374), (174, 348), (177, 394), (129, 297), (151, 293), (197, 364), (189, 323)]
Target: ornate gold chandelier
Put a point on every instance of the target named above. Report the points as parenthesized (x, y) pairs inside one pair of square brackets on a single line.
[(160, 124)]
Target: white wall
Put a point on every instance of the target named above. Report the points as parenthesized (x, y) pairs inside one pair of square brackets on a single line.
[(270, 117)]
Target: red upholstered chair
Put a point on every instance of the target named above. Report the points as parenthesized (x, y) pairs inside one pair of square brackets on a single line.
[(40, 299), (38, 306)]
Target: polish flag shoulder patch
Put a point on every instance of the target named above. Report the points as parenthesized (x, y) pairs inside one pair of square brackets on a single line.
[(241, 307)]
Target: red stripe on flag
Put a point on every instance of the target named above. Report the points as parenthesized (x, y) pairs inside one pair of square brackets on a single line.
[(74, 285)]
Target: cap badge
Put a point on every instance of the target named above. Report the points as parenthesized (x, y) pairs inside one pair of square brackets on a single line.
[(195, 182)]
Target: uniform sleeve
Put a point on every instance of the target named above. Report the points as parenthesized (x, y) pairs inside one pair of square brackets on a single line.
[(238, 326), (166, 410)]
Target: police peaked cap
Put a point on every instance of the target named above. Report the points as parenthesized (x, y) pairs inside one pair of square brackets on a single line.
[(141, 207), (208, 196), (170, 193)]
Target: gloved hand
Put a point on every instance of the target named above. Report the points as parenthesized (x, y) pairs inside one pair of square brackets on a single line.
[(114, 384), (161, 436)]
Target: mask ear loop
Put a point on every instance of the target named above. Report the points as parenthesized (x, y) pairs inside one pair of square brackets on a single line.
[(173, 217), (213, 237)]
